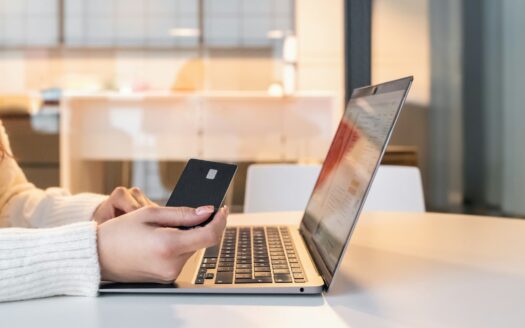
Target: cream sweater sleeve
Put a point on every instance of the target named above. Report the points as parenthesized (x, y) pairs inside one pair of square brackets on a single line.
[(24, 205), (48, 261)]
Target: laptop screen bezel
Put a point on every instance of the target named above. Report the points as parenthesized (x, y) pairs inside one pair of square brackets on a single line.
[(396, 85)]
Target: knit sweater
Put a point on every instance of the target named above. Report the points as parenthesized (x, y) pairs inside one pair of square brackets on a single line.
[(58, 258)]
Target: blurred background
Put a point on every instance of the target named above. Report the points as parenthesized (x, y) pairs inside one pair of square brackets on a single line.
[(96, 94)]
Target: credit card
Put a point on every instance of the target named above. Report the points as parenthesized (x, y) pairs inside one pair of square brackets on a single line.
[(202, 183)]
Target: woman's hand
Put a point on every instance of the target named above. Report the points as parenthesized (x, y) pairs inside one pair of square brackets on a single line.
[(145, 246), (121, 201)]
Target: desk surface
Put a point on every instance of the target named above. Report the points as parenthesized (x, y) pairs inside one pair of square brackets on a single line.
[(422, 270)]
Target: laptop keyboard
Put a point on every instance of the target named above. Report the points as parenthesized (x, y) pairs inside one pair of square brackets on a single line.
[(249, 255)]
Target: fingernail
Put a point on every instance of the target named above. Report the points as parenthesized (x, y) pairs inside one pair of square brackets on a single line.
[(208, 209)]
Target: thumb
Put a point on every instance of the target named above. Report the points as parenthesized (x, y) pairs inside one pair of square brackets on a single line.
[(178, 216)]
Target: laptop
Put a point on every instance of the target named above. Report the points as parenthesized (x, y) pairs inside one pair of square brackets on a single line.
[(305, 259)]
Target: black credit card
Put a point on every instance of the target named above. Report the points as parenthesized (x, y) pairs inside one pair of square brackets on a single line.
[(202, 183)]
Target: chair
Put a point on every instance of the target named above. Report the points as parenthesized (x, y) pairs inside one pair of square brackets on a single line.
[(279, 187), (287, 187), (396, 189)]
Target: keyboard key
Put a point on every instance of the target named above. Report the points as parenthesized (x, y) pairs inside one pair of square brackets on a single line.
[(275, 262), (274, 254), (243, 276), (244, 271), (295, 265), (210, 260), (225, 269), (298, 275), (245, 281), (224, 278), (203, 270), (297, 270), (211, 251), (209, 275), (263, 280), (243, 266), (282, 278), (244, 261), (262, 269), (201, 275), (299, 280), (262, 274), (280, 266), (199, 281), (277, 271), (208, 265)]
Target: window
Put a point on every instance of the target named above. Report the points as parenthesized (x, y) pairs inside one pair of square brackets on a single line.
[(28, 23)]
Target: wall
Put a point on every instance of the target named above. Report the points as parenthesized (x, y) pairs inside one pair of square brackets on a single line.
[(513, 113), (320, 34), (401, 47), (401, 44), (99, 69)]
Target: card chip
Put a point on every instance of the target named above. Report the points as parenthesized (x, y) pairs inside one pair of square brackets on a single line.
[(212, 173)]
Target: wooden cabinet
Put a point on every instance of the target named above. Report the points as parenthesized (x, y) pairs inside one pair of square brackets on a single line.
[(36, 152)]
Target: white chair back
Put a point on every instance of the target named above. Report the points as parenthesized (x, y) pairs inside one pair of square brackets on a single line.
[(396, 189), (279, 187), (287, 187)]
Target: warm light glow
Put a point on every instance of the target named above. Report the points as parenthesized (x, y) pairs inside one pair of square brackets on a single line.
[(290, 49), (185, 32), (275, 34), (289, 74), (275, 90)]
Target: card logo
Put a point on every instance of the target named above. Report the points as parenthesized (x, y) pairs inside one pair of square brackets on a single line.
[(212, 173)]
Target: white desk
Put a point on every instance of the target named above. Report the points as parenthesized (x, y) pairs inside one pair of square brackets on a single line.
[(402, 270)]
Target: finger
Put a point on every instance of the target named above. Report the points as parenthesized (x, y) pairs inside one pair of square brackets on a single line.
[(202, 237), (140, 197), (151, 203), (178, 216), (122, 200)]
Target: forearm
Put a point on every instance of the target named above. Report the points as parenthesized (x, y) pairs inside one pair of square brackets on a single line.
[(35, 208), (24, 205), (46, 262)]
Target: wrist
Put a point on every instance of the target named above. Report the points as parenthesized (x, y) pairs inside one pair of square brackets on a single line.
[(100, 251)]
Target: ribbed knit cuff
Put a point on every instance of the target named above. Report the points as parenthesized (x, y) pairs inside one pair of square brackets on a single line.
[(70, 209), (52, 261)]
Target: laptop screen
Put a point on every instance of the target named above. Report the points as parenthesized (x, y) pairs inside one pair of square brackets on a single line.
[(348, 171)]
